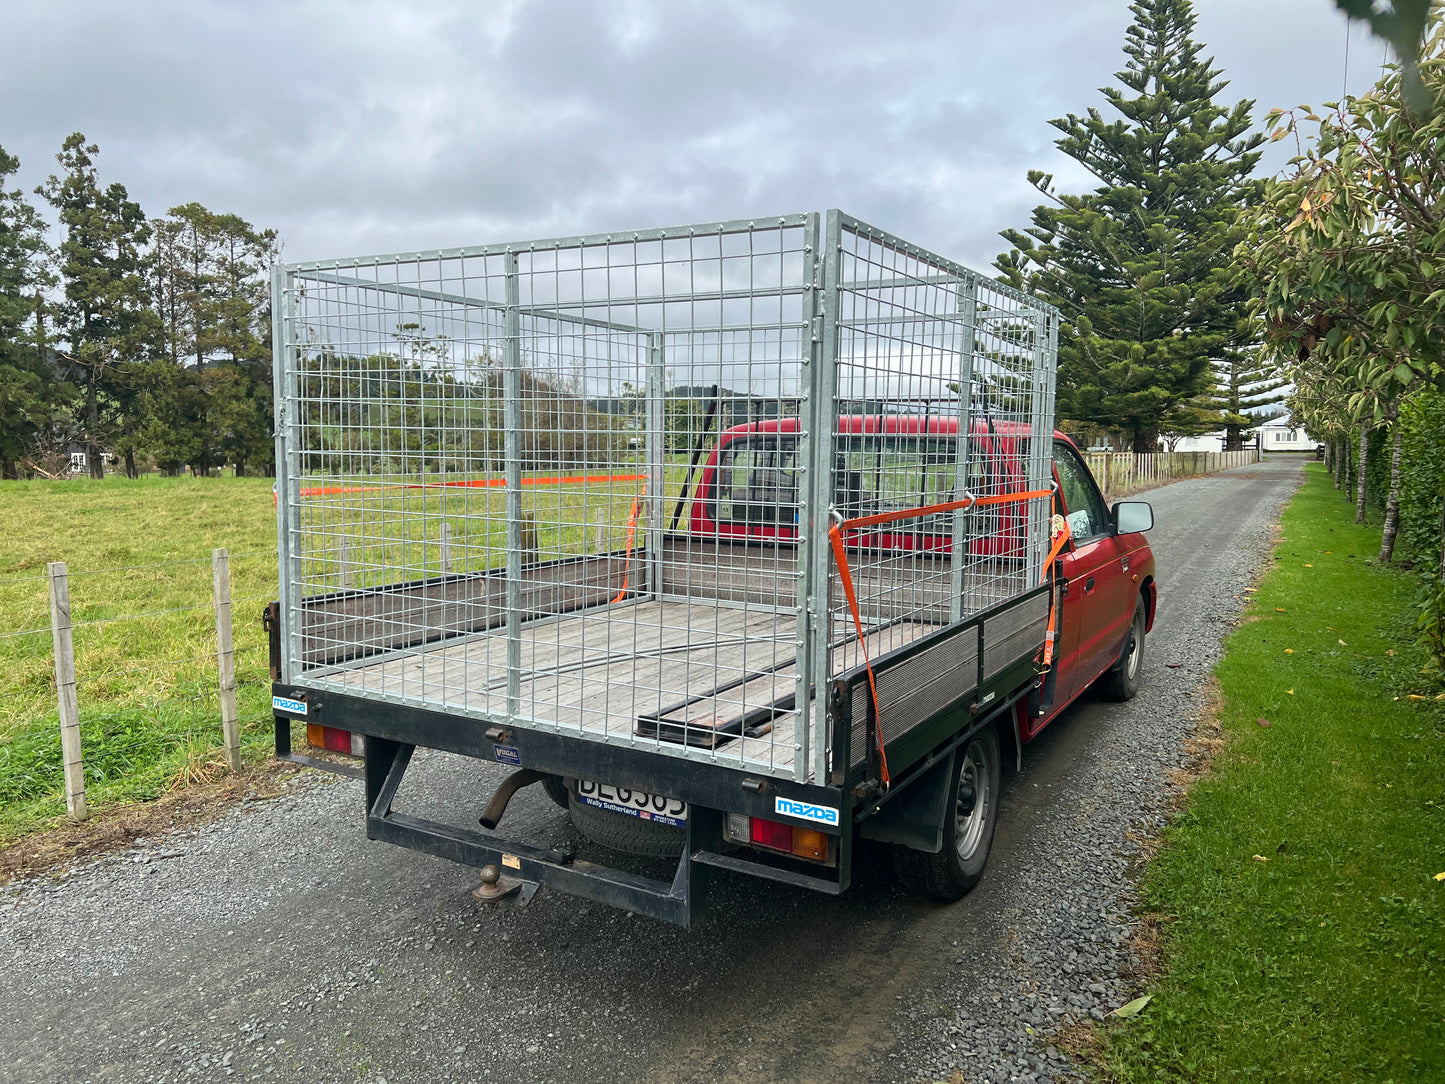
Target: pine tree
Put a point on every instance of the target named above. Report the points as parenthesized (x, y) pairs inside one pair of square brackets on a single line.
[(27, 390), (1244, 382), (102, 267), (212, 294), (1141, 266)]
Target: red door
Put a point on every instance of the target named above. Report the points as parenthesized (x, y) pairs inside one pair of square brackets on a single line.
[(1097, 606)]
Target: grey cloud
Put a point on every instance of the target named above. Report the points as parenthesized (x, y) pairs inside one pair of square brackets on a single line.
[(371, 127)]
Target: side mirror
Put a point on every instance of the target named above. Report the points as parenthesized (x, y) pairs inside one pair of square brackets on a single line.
[(1131, 517)]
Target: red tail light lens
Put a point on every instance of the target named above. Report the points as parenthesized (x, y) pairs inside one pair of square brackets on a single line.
[(772, 834)]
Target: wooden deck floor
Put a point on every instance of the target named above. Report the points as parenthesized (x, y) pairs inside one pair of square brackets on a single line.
[(693, 664)]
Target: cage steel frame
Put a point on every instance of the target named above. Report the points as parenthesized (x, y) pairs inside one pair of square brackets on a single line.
[(484, 456)]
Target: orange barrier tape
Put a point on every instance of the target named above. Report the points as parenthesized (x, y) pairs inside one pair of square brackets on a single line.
[(487, 483), (631, 534), (845, 576)]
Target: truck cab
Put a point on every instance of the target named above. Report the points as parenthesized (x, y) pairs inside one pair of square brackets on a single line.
[(748, 489)]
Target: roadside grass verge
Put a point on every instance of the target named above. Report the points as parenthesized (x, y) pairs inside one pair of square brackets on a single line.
[(1304, 924)]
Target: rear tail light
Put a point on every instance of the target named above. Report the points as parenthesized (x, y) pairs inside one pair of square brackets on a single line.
[(740, 828), (800, 842), (810, 843), (771, 834), (333, 739)]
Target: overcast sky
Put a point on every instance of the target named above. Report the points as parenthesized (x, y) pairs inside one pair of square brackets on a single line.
[(358, 128)]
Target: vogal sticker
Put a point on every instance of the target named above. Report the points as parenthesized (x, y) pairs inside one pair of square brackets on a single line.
[(823, 814), (285, 703), (508, 754)]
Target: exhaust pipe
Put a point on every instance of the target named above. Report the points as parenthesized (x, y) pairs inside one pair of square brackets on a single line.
[(492, 815)]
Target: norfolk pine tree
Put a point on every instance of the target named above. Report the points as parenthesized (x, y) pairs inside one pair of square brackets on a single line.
[(1141, 266)]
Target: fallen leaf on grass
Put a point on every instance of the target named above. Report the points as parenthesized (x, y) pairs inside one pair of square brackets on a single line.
[(1262, 721), (1388, 650), (1290, 691), (1133, 1008), (1342, 643), (1414, 696), (1308, 565), (1289, 651), (1279, 609), (1440, 876), (1260, 858)]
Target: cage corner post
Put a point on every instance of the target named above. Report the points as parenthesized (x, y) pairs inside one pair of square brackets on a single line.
[(285, 408), (822, 415)]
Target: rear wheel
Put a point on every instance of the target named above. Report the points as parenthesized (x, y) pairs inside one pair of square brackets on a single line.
[(970, 816), (556, 790), (1124, 681)]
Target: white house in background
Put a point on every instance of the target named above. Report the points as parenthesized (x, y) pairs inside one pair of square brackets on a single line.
[(1276, 435), (1204, 442), (1282, 435)]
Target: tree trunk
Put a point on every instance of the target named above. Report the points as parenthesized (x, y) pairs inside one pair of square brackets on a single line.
[(92, 425), (1342, 462), (1392, 502), (1360, 478), (7, 469), (1330, 456)]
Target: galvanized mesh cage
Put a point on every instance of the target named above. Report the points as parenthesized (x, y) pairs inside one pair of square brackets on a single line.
[(586, 484)]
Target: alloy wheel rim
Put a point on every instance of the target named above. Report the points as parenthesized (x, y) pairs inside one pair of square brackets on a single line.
[(971, 806)]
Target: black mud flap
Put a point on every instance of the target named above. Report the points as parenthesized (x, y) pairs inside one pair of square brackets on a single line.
[(915, 817)]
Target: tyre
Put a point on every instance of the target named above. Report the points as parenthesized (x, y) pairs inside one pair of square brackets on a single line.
[(971, 813), (618, 831), (1125, 679), (556, 790)]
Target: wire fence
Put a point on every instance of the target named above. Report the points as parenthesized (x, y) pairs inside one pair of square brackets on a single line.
[(144, 674)]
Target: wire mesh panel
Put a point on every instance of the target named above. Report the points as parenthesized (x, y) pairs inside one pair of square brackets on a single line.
[(584, 484)]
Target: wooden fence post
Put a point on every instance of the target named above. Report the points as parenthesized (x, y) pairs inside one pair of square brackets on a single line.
[(60, 634), (599, 531), (226, 656), (446, 548)]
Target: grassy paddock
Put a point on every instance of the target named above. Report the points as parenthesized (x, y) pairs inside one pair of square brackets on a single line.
[(1304, 924), (138, 556)]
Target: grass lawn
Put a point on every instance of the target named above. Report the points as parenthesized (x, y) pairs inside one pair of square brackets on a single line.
[(1303, 921), (139, 562), (138, 556)]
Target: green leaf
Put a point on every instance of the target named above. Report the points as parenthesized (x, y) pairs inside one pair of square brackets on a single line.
[(1133, 1008), (1403, 373)]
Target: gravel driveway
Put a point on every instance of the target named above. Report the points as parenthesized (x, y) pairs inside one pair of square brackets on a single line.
[(278, 944)]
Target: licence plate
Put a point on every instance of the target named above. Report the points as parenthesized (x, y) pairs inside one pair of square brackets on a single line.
[(633, 803)]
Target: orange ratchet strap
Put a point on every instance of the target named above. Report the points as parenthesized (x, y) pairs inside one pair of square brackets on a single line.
[(631, 534), (845, 576), (1060, 541)]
